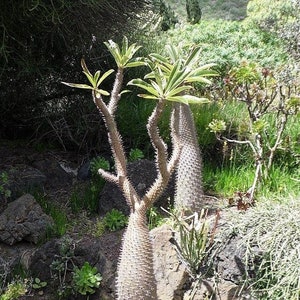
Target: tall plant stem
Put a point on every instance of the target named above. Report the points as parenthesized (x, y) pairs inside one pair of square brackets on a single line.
[(189, 191)]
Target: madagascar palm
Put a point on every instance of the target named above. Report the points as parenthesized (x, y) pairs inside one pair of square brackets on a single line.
[(176, 73), (135, 279)]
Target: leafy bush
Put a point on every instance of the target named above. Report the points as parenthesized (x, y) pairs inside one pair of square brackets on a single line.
[(14, 290), (281, 17), (228, 43)]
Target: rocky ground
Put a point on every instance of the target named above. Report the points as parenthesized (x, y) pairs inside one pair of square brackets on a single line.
[(23, 231)]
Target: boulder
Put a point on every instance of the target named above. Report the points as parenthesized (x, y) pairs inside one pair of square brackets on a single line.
[(170, 273), (23, 219), (20, 178)]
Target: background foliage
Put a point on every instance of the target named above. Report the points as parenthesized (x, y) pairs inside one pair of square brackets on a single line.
[(41, 44)]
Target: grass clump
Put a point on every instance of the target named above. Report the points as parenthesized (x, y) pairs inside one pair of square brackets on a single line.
[(271, 238), (58, 214)]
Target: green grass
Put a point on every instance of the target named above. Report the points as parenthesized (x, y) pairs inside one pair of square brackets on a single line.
[(58, 214), (282, 182), (87, 197)]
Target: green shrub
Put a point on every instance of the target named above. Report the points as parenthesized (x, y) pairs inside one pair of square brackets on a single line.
[(227, 43), (115, 220), (135, 154), (86, 279), (14, 290), (97, 163)]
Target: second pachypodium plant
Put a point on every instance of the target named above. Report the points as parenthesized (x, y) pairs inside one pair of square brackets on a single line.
[(181, 71)]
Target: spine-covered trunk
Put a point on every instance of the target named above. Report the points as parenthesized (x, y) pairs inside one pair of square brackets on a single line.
[(189, 191), (136, 279)]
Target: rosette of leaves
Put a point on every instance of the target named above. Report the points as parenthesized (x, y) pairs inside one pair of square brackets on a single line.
[(86, 279), (115, 220)]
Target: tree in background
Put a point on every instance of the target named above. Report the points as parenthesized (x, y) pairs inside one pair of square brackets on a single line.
[(193, 11), (281, 17), (167, 15)]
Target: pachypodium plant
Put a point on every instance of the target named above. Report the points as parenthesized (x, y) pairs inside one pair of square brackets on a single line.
[(182, 71), (135, 278)]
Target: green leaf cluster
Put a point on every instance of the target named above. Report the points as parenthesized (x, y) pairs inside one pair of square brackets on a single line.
[(97, 163), (38, 284), (135, 154), (115, 220), (95, 80), (193, 238), (124, 55), (86, 279), (171, 76)]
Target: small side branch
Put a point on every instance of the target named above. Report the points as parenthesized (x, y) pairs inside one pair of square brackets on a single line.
[(118, 152)]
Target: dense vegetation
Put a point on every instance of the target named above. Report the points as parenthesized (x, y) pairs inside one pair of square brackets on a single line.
[(254, 100)]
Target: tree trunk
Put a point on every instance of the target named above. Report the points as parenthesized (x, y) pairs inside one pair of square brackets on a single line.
[(189, 191), (135, 270)]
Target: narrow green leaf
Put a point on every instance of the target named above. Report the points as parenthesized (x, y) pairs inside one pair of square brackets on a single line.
[(198, 79), (90, 78), (193, 56), (132, 50), (144, 85), (124, 45), (78, 85), (179, 90), (96, 76), (188, 99), (84, 67), (135, 64), (174, 55), (104, 76), (115, 51), (174, 77), (103, 92), (159, 58), (147, 96), (125, 91), (159, 90), (204, 73)]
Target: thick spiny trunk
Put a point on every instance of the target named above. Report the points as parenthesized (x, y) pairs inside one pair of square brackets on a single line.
[(136, 279), (189, 191)]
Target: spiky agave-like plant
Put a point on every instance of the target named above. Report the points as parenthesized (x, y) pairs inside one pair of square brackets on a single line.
[(189, 189)]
